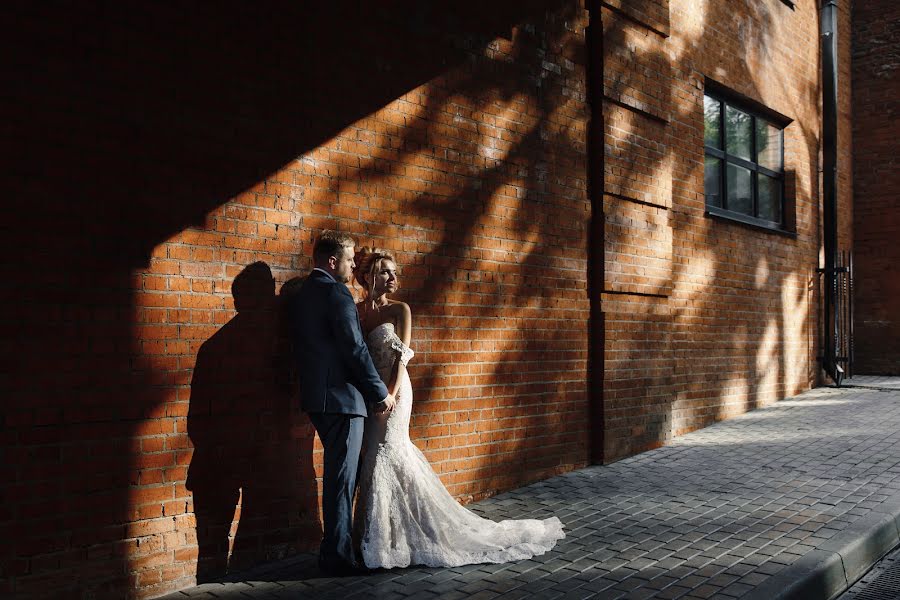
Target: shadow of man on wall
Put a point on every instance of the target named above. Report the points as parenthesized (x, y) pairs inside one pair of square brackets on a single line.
[(243, 475)]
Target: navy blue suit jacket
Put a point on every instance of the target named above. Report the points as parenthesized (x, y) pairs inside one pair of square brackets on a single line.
[(335, 370)]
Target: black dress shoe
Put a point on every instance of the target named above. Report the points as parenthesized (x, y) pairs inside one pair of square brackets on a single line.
[(345, 570)]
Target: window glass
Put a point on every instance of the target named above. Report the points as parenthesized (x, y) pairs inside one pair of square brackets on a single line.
[(740, 189), (768, 145), (769, 198), (713, 181), (712, 117), (743, 167), (737, 132)]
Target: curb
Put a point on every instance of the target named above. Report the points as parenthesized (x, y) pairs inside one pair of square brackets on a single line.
[(830, 569)]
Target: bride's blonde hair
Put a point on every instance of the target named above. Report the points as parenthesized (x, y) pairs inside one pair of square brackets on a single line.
[(368, 263)]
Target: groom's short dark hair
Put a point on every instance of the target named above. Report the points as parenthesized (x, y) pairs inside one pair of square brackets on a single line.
[(331, 243)]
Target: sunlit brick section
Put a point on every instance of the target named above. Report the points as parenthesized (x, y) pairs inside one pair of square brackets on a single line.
[(638, 248), (652, 14), (740, 304), (637, 70)]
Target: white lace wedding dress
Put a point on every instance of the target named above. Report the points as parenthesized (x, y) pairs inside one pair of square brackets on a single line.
[(405, 516)]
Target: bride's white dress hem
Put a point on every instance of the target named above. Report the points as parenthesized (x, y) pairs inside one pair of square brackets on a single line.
[(405, 515)]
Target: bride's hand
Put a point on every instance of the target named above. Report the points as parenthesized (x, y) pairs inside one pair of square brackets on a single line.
[(386, 405)]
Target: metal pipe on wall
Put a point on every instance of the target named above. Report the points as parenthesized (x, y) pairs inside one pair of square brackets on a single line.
[(828, 37)]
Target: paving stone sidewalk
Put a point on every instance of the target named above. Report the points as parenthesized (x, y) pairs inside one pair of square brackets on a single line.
[(717, 514), (873, 381)]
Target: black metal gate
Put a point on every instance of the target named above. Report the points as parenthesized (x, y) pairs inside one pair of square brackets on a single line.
[(837, 331)]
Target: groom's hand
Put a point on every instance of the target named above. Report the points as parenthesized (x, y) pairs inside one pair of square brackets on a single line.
[(386, 405)]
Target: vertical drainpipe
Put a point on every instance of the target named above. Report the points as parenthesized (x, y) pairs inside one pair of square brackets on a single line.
[(596, 244), (828, 20)]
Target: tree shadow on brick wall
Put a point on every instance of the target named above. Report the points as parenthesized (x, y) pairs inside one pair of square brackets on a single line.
[(640, 102), (713, 366), (752, 280), (128, 125), (461, 278)]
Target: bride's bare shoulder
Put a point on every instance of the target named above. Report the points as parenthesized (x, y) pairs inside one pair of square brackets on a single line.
[(399, 308)]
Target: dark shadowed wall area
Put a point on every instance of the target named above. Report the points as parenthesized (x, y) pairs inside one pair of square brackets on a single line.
[(876, 185), (170, 168)]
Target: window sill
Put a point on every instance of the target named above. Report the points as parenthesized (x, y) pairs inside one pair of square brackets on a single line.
[(721, 214)]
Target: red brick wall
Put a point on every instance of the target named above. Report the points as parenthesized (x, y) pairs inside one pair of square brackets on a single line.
[(876, 186), (150, 420), (175, 178), (706, 319)]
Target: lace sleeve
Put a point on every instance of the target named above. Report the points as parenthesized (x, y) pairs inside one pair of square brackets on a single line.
[(405, 351)]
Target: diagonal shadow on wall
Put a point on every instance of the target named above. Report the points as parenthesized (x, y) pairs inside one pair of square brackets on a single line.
[(128, 124)]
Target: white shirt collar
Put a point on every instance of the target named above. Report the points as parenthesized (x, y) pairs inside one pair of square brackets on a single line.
[(330, 276)]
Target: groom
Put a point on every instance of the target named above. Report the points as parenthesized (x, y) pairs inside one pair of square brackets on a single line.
[(337, 381)]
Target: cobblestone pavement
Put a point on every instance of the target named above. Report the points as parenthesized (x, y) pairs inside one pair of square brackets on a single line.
[(713, 515), (873, 381)]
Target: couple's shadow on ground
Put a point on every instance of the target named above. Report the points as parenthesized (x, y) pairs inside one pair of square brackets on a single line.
[(303, 569), (255, 496)]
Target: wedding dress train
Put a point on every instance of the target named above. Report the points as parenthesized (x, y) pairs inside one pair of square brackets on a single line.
[(405, 515)]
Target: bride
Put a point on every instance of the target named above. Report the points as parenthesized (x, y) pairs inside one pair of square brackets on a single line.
[(404, 515)]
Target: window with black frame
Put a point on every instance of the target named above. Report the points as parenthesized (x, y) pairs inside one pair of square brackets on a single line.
[(744, 163)]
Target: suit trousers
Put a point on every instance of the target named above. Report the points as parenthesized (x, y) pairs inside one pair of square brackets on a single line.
[(341, 437)]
